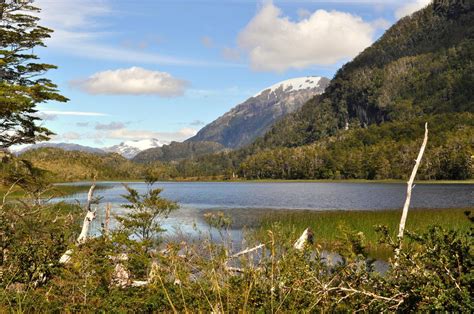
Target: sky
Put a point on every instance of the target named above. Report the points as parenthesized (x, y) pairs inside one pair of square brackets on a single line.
[(164, 68)]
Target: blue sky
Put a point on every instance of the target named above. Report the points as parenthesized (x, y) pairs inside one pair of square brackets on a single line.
[(163, 69)]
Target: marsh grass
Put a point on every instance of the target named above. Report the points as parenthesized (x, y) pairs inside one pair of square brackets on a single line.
[(328, 226)]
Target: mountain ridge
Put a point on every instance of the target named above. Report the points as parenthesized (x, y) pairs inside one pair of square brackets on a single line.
[(245, 122)]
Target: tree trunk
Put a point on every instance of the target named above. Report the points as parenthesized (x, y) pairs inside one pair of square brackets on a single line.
[(90, 215), (409, 190)]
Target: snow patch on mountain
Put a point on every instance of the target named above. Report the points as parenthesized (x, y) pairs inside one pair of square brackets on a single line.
[(130, 149), (294, 84)]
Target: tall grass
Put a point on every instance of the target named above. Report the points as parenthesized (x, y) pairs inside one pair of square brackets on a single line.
[(327, 226)]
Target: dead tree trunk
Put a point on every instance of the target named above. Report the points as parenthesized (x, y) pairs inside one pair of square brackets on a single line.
[(90, 216), (409, 190), (305, 239)]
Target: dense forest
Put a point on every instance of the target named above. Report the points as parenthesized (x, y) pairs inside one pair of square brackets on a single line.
[(178, 151)]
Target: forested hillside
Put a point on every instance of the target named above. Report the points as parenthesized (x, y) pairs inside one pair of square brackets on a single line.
[(422, 65), (77, 165), (177, 151), (369, 122)]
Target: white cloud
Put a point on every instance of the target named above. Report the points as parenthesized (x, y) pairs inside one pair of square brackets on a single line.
[(110, 126), (79, 30), (70, 136), (411, 7), (275, 43), (124, 134), (73, 113), (132, 81), (127, 134), (197, 123), (46, 117)]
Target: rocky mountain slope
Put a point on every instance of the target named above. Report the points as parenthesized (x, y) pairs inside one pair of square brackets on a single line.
[(251, 119)]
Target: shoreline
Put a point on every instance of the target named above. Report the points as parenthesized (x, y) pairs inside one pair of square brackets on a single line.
[(394, 181)]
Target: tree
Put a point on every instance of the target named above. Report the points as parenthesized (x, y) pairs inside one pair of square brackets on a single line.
[(145, 210), (22, 85)]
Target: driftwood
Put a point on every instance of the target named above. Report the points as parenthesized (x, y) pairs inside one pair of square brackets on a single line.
[(409, 190)]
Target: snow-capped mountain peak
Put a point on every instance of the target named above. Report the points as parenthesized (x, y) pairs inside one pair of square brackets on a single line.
[(294, 84), (130, 149)]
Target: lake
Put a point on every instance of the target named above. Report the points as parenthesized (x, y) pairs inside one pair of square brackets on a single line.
[(246, 200)]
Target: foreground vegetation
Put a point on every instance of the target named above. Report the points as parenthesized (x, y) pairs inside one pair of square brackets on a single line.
[(434, 272)]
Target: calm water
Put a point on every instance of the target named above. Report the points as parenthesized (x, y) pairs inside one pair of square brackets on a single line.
[(245, 200)]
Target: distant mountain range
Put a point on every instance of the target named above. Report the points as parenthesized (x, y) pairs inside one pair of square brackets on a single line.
[(63, 146), (237, 128), (127, 149)]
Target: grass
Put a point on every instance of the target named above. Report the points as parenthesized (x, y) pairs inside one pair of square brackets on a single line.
[(327, 226)]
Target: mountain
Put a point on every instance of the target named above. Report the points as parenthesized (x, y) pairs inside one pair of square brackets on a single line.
[(244, 123), (369, 122), (63, 146), (251, 119), (130, 149), (423, 65), (178, 151)]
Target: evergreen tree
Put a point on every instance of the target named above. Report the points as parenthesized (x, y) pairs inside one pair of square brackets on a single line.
[(22, 85)]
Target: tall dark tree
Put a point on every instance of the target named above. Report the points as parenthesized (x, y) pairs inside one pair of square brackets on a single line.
[(22, 82)]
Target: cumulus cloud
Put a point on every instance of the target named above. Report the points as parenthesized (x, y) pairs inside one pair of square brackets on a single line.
[(82, 124), (276, 43), (110, 126), (132, 81), (411, 7)]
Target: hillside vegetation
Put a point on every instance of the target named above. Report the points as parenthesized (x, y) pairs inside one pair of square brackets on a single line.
[(422, 65), (369, 122), (77, 165), (178, 151)]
